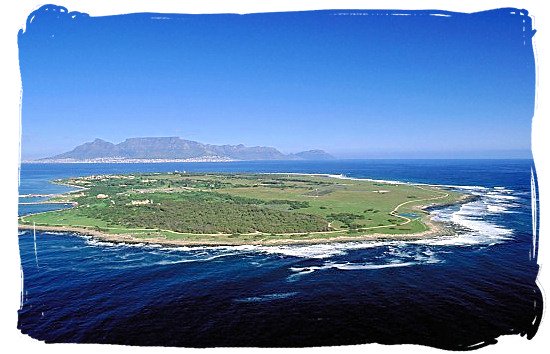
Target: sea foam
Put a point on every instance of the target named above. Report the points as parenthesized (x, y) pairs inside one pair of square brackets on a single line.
[(267, 297)]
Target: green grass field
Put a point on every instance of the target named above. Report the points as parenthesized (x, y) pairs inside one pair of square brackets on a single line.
[(233, 208)]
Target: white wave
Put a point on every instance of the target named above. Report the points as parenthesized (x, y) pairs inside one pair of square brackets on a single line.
[(321, 251), (178, 261), (503, 203), (95, 242), (178, 248), (427, 257), (301, 251), (315, 251), (500, 201), (497, 209), (470, 216), (477, 230), (197, 259), (428, 252), (468, 188), (310, 251), (496, 195), (267, 297), (61, 247), (306, 270), (57, 233), (503, 189), (358, 266), (473, 217), (463, 239), (206, 253), (404, 252), (398, 255), (368, 266)]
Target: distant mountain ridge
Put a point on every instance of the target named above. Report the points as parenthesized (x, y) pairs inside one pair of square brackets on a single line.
[(175, 148)]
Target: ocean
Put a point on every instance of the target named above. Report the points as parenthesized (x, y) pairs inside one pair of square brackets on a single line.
[(452, 292)]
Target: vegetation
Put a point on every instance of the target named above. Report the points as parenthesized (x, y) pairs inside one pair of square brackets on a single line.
[(240, 207)]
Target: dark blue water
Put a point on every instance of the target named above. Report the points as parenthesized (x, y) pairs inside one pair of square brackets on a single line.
[(453, 292), (26, 209)]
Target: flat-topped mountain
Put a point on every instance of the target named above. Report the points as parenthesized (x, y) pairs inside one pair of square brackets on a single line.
[(313, 155), (175, 148)]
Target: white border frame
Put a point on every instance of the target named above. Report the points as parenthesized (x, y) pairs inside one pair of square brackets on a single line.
[(15, 16)]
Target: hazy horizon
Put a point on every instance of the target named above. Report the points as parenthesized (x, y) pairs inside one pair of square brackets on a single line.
[(495, 154), (364, 86)]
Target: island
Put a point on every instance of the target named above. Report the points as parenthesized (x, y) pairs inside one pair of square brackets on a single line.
[(180, 208)]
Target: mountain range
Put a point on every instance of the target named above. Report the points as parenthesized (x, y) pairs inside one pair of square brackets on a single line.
[(175, 148)]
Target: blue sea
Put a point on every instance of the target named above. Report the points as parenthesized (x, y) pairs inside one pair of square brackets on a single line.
[(454, 292)]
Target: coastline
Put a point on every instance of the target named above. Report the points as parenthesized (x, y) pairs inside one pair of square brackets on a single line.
[(435, 229)]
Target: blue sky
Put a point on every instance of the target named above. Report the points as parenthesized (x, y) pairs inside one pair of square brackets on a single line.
[(358, 86)]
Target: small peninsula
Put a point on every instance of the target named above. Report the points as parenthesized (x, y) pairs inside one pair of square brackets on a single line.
[(180, 208)]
